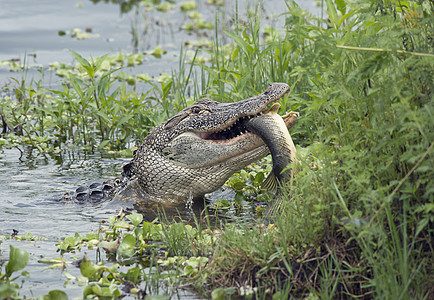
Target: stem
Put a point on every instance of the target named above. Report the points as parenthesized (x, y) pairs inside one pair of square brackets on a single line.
[(384, 50), (98, 107)]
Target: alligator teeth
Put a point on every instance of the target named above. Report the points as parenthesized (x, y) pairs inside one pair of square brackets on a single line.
[(232, 131)]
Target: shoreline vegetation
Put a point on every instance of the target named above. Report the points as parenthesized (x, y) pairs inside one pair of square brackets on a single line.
[(357, 219)]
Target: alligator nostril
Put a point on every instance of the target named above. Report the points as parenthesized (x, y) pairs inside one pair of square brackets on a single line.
[(81, 197), (81, 189), (94, 185)]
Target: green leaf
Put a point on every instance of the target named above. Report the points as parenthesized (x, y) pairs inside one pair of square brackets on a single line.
[(346, 16), (240, 42), (126, 247), (109, 246), (103, 144), (103, 115), (18, 259), (189, 270), (341, 5), (87, 291), (88, 269), (333, 14), (239, 198), (122, 224), (238, 186), (76, 85), (56, 295), (133, 275), (135, 218), (124, 119), (259, 178), (99, 61), (82, 61)]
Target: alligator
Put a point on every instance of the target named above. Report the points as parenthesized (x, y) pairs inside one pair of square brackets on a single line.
[(195, 151)]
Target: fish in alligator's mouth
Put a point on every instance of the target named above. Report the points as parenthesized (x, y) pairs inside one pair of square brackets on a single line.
[(273, 130)]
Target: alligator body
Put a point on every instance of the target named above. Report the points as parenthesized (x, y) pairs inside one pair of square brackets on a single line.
[(197, 150)]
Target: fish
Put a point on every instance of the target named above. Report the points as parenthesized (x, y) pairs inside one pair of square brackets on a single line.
[(273, 130)]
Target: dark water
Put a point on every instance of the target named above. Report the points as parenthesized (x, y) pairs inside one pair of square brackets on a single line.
[(29, 186)]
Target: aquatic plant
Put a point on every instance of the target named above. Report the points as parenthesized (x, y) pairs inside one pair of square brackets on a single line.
[(17, 261)]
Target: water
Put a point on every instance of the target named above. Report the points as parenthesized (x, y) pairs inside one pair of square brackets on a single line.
[(29, 186), (28, 191)]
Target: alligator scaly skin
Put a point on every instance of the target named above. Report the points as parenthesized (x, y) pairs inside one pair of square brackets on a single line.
[(198, 149)]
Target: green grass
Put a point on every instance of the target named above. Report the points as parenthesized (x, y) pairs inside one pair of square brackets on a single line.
[(357, 218)]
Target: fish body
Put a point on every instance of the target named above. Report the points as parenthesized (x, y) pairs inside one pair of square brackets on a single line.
[(272, 128)]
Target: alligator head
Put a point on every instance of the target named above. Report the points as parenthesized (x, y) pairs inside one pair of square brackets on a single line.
[(198, 149)]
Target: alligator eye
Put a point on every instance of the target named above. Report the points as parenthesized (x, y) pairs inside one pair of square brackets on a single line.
[(195, 110)]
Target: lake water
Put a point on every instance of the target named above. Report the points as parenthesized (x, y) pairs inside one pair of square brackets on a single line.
[(29, 186)]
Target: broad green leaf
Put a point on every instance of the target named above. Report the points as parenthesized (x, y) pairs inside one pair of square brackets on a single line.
[(259, 178), (135, 218), (56, 295), (133, 274), (109, 246), (18, 259), (122, 224), (88, 269), (87, 291), (126, 247), (238, 186)]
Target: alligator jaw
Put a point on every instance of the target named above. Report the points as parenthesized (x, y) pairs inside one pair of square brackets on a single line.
[(233, 131), (238, 129), (234, 125)]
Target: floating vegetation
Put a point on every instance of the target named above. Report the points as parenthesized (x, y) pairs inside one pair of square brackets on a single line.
[(165, 7), (80, 34), (196, 24), (216, 2), (187, 6), (158, 52)]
